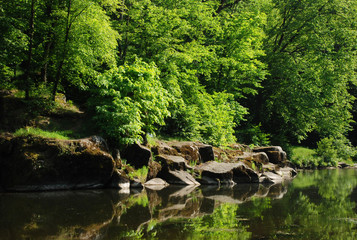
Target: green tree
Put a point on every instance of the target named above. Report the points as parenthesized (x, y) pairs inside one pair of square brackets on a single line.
[(310, 52), (130, 102), (202, 56)]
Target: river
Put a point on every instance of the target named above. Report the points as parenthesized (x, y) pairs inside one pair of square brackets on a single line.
[(315, 205)]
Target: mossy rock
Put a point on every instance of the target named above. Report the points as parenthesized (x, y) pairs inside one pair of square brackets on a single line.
[(35, 163)]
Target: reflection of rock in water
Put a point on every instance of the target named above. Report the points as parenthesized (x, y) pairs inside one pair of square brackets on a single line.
[(78, 214), (277, 191), (245, 192), (109, 214)]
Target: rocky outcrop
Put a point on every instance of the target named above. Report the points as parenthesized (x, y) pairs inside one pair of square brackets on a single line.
[(37, 164), (277, 175), (206, 153)]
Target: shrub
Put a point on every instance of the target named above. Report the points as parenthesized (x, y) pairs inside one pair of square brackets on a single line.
[(332, 150), (130, 102)]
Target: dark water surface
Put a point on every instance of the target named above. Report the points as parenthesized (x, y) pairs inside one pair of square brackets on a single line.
[(315, 205)]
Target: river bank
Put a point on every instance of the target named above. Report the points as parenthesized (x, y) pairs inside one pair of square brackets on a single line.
[(33, 163)]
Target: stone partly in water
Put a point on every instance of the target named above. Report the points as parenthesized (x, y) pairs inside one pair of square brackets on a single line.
[(172, 169), (178, 177), (227, 173), (35, 164), (117, 181)]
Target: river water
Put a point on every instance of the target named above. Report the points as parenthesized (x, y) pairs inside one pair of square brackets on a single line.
[(315, 205)]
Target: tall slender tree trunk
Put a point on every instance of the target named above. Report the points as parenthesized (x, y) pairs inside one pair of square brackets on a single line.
[(30, 51), (64, 53), (48, 44)]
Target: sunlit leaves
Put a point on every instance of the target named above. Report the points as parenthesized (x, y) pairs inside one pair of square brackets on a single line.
[(131, 102)]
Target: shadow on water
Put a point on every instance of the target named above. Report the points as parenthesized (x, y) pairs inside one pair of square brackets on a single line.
[(316, 205)]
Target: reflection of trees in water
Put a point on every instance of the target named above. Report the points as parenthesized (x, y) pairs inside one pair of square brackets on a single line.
[(178, 211), (317, 205)]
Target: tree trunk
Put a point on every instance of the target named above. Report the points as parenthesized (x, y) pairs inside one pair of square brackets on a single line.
[(29, 54), (48, 44), (64, 53)]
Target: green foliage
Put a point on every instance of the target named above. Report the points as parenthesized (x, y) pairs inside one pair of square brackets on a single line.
[(329, 152), (207, 61), (310, 52), (140, 174), (221, 224), (253, 135), (130, 102), (29, 131), (286, 68), (335, 149)]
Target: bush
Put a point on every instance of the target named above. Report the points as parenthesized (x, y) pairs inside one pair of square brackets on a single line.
[(252, 134), (332, 150)]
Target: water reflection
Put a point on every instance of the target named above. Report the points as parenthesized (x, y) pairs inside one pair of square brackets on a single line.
[(316, 205)]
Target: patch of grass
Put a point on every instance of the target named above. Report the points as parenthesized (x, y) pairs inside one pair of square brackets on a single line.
[(304, 157), (140, 174), (41, 133)]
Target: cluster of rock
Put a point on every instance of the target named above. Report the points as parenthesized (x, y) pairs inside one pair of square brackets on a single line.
[(37, 164)]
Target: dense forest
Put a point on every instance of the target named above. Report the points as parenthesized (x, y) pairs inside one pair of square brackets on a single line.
[(218, 71)]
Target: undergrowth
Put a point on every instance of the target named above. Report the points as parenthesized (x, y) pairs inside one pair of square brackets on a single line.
[(27, 131)]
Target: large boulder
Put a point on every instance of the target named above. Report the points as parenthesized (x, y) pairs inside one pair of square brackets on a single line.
[(169, 162), (172, 169), (275, 154), (206, 153), (228, 172), (34, 163), (137, 155)]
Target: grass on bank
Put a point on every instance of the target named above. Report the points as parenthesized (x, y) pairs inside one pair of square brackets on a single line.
[(320, 157), (304, 157), (29, 131)]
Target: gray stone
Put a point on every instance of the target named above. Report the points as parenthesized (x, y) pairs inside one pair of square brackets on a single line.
[(275, 154), (227, 172), (270, 177), (178, 177), (169, 162), (156, 181)]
